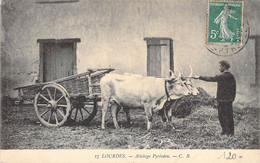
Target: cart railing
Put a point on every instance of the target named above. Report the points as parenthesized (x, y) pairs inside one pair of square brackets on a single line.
[(83, 84)]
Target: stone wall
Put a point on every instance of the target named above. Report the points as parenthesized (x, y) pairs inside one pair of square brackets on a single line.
[(112, 32)]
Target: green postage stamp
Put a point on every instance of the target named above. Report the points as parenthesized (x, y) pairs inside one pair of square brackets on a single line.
[(225, 22)]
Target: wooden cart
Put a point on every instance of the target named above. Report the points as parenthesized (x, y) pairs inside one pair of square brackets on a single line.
[(70, 98)]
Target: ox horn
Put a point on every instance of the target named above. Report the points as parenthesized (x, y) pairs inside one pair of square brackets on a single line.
[(181, 71), (191, 71)]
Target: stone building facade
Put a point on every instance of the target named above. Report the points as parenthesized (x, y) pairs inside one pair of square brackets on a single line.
[(115, 33)]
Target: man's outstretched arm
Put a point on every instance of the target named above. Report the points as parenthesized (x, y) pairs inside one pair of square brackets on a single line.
[(209, 78)]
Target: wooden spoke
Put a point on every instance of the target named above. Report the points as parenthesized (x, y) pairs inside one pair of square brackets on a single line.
[(61, 113), (81, 114), (54, 95), (50, 117), (46, 111), (64, 110), (44, 98), (60, 98), (64, 106), (42, 105), (87, 111), (49, 93), (56, 118)]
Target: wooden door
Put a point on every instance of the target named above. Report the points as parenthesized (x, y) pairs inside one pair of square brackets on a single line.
[(166, 58), (154, 59), (159, 57), (58, 60)]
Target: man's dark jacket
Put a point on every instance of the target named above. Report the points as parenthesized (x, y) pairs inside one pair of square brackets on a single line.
[(226, 85)]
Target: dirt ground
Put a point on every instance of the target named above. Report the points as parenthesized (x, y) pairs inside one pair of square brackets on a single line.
[(199, 130)]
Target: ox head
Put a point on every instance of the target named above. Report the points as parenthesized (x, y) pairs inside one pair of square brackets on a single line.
[(175, 87), (190, 84)]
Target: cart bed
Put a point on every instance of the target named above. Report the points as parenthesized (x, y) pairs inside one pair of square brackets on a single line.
[(84, 84)]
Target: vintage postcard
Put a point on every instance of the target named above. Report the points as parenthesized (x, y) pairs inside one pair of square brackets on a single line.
[(130, 81)]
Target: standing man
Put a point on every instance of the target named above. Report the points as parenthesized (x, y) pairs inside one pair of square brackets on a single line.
[(226, 93)]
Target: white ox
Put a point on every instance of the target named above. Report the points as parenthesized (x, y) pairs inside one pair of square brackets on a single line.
[(187, 82), (135, 91)]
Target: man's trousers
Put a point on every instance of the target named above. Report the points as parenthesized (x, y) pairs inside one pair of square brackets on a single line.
[(225, 115)]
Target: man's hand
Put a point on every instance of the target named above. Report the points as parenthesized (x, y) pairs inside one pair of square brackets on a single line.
[(196, 77)]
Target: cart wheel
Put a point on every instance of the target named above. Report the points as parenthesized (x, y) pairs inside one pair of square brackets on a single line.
[(52, 105), (83, 112)]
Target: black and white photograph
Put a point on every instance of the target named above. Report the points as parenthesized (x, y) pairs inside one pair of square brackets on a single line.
[(130, 80)]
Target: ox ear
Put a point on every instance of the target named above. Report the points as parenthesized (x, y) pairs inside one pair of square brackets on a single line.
[(171, 74)]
